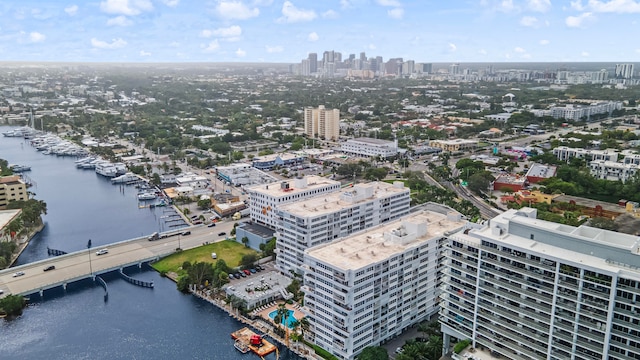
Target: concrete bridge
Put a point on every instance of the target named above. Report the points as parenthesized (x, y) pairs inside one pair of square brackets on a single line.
[(86, 263)]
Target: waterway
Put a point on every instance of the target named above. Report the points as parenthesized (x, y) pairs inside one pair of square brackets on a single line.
[(134, 323)]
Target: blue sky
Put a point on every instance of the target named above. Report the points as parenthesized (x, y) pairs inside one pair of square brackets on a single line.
[(286, 31)]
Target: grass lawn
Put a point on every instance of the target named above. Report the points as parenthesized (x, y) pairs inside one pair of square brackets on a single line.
[(228, 250)]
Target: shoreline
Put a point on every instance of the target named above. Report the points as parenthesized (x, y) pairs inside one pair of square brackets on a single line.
[(258, 324), (21, 247)]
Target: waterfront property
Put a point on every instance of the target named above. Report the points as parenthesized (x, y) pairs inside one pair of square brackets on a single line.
[(260, 289), (369, 287), (526, 288)]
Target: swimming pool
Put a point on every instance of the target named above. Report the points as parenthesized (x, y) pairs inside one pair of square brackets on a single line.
[(290, 319)]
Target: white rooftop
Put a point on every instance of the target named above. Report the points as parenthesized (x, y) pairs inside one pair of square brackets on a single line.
[(383, 241), (347, 197), (7, 215), (295, 186)]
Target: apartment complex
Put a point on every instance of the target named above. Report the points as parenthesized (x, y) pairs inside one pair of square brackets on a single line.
[(264, 199), (12, 188), (367, 288), (613, 171), (321, 219), (368, 147), (565, 153), (531, 289), (321, 123)]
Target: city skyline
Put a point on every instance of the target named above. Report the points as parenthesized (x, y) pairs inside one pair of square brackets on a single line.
[(234, 30)]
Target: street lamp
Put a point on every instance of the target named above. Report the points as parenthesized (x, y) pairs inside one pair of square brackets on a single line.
[(89, 248)]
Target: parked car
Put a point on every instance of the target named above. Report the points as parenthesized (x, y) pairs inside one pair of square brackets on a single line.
[(253, 271), (49, 268), (186, 233), (242, 274), (19, 273), (102, 252), (222, 233), (259, 267), (211, 225), (231, 276), (246, 272)]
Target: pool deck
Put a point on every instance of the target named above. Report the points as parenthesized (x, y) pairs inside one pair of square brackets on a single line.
[(293, 307)]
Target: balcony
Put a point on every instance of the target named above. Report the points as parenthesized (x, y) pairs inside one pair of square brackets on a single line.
[(515, 316), (546, 308), (594, 291), (515, 347)]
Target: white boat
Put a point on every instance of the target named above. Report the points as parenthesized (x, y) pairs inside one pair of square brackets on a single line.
[(128, 177), (106, 169), (20, 168), (241, 346), (147, 195)]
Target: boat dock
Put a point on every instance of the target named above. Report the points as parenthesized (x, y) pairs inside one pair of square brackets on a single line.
[(243, 336)]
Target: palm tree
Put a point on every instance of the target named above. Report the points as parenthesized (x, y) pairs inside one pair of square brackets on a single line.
[(304, 325), (282, 315), (434, 347)]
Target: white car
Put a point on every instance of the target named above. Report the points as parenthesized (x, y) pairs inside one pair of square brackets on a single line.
[(19, 273), (102, 252)]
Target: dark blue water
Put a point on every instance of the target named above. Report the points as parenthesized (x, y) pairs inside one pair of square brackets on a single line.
[(134, 323)]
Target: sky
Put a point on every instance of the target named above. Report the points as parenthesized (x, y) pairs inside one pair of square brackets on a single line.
[(286, 31)]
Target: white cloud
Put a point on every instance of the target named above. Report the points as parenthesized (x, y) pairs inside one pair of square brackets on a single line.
[(241, 53), (345, 4), (577, 5), (114, 44), (206, 33), (71, 10), (291, 14), (506, 6), (393, 3), (372, 47), (144, 53), (126, 7), (539, 5), (482, 52), (452, 47), (313, 36), (274, 49), (396, 13), (576, 21), (544, 42), (212, 46), (229, 32), (612, 6), (35, 37), (584, 54), (235, 10), (519, 50), (171, 3), (330, 14), (262, 2), (119, 21), (528, 21), (638, 51)]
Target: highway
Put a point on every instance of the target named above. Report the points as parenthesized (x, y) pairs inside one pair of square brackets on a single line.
[(79, 265)]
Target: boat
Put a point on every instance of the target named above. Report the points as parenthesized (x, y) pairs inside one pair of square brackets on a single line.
[(147, 195), (240, 346), (20, 168), (107, 169), (126, 178)]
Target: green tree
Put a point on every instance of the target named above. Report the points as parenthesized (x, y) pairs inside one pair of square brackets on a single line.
[(245, 241), (373, 353), (248, 260), (204, 203)]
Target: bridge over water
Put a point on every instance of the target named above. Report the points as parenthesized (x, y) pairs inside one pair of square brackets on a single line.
[(86, 263)]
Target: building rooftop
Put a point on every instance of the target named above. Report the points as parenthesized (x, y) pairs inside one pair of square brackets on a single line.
[(347, 197), (383, 241), (583, 244), (292, 186), (273, 157), (372, 141), (541, 171), (510, 179), (6, 216)]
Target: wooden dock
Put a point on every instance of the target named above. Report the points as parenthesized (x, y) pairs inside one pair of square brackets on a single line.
[(244, 336)]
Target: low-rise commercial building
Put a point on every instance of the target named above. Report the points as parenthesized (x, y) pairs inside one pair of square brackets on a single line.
[(454, 145), (321, 219), (369, 287), (12, 188), (368, 147)]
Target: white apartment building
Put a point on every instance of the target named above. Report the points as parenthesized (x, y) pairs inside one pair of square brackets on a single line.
[(531, 289), (368, 147), (322, 219), (322, 123), (264, 199), (565, 153), (367, 288), (612, 171), (631, 157), (197, 182), (577, 112)]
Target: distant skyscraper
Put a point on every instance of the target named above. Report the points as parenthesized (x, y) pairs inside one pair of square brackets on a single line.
[(313, 63), (454, 69), (624, 71), (338, 57), (328, 57), (305, 68), (363, 57), (379, 63), (322, 123), (427, 68)]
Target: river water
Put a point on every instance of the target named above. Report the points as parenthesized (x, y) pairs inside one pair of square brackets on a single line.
[(134, 323)]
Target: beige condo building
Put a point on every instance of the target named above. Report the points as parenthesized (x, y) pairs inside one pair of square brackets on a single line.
[(322, 123)]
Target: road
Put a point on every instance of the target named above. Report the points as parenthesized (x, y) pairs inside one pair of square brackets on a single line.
[(81, 264)]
